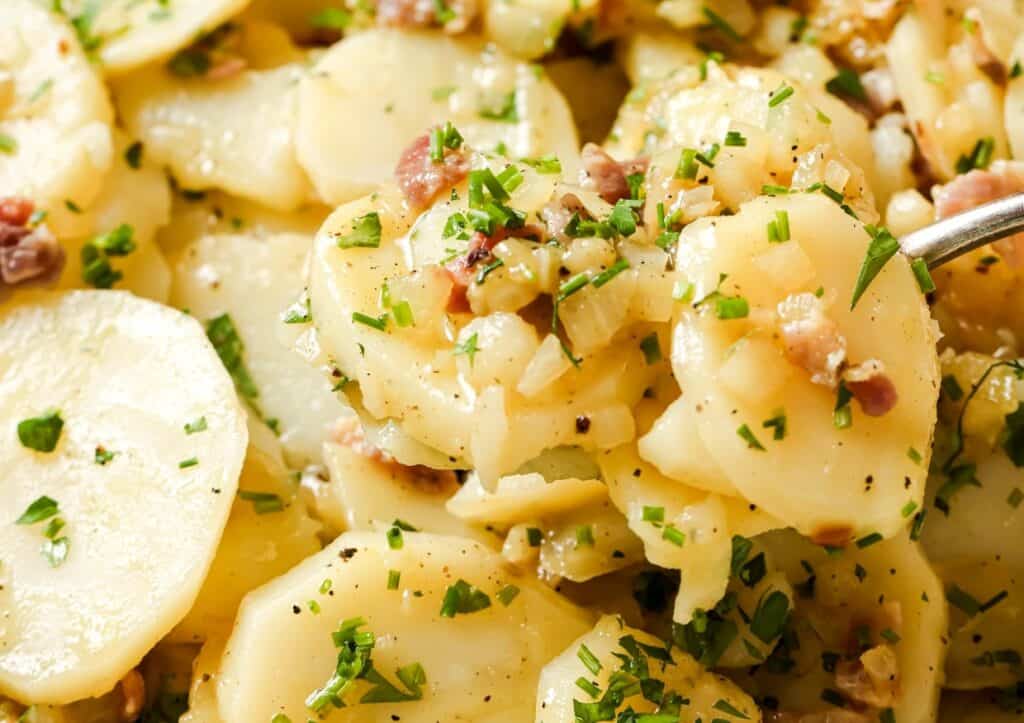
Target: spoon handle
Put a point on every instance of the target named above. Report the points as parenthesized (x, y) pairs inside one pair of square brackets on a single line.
[(956, 235)]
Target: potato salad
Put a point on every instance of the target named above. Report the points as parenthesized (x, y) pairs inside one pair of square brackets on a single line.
[(509, 361)]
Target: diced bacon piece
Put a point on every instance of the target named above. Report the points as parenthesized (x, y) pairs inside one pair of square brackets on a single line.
[(810, 339), (975, 188), (421, 179), (348, 432), (16, 210), (872, 679), (557, 213), (26, 254), (838, 535), (876, 395), (424, 14), (609, 175)]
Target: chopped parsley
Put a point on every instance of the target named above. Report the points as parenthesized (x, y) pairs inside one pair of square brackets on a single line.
[(1013, 436), (102, 456), (41, 433), (747, 436), (469, 347), (262, 502), (365, 233), (770, 617), (776, 423), (222, 333), (507, 594), (846, 83), (42, 508), (883, 247), (463, 598), (96, 254), (299, 312)]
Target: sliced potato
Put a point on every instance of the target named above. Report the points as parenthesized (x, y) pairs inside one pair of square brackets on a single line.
[(55, 114), (130, 33), (392, 86), (236, 134), (694, 532), (142, 526), (263, 539), (368, 493), (255, 278), (202, 695), (138, 197), (610, 644), (881, 596), (480, 666), (826, 481)]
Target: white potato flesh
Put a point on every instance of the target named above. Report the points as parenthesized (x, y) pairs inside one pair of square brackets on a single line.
[(707, 523), (237, 134), (818, 477), (368, 493), (202, 694), (256, 547), (652, 56), (1015, 106), (886, 585), (412, 374), (58, 115), (384, 84), (256, 277), (142, 529), (947, 118), (705, 691), (522, 497), (136, 32), (141, 198), (480, 666)]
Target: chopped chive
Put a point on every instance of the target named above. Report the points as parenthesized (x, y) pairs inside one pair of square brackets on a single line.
[(673, 535), (199, 425), (571, 286), (951, 388), (747, 436), (918, 525), (869, 540), (365, 233), (653, 514), (263, 503), (8, 144), (908, 509), (686, 169), (735, 139), (394, 577), (778, 424), (924, 279), (589, 660), (842, 414), (610, 273), (731, 307), (394, 537), (133, 155), (463, 598), (726, 707), (403, 314), (545, 165), (847, 83), (584, 536), (769, 189), (780, 95), (914, 456), (186, 463), (507, 594), (534, 536), (721, 24), (380, 323), (588, 687), (883, 247), (962, 600)]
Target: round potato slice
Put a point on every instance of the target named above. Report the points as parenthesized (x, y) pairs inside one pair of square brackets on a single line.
[(129, 33), (54, 115), (619, 651), (143, 502), (236, 133), (392, 86), (480, 666), (830, 481)]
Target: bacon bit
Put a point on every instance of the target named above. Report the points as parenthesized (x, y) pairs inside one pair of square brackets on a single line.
[(871, 387), (872, 679), (16, 210), (423, 14), (461, 270), (838, 535), (421, 179), (26, 254), (556, 215), (348, 432), (609, 175), (977, 187), (228, 67), (810, 339), (133, 689)]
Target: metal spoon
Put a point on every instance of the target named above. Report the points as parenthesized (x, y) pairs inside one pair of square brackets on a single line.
[(956, 235)]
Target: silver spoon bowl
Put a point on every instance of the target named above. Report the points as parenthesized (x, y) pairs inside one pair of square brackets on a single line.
[(954, 236)]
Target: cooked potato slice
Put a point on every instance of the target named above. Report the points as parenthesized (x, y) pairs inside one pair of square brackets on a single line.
[(144, 502), (480, 666), (54, 113), (236, 134), (268, 532), (130, 33), (739, 372), (603, 652), (256, 278), (392, 86)]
